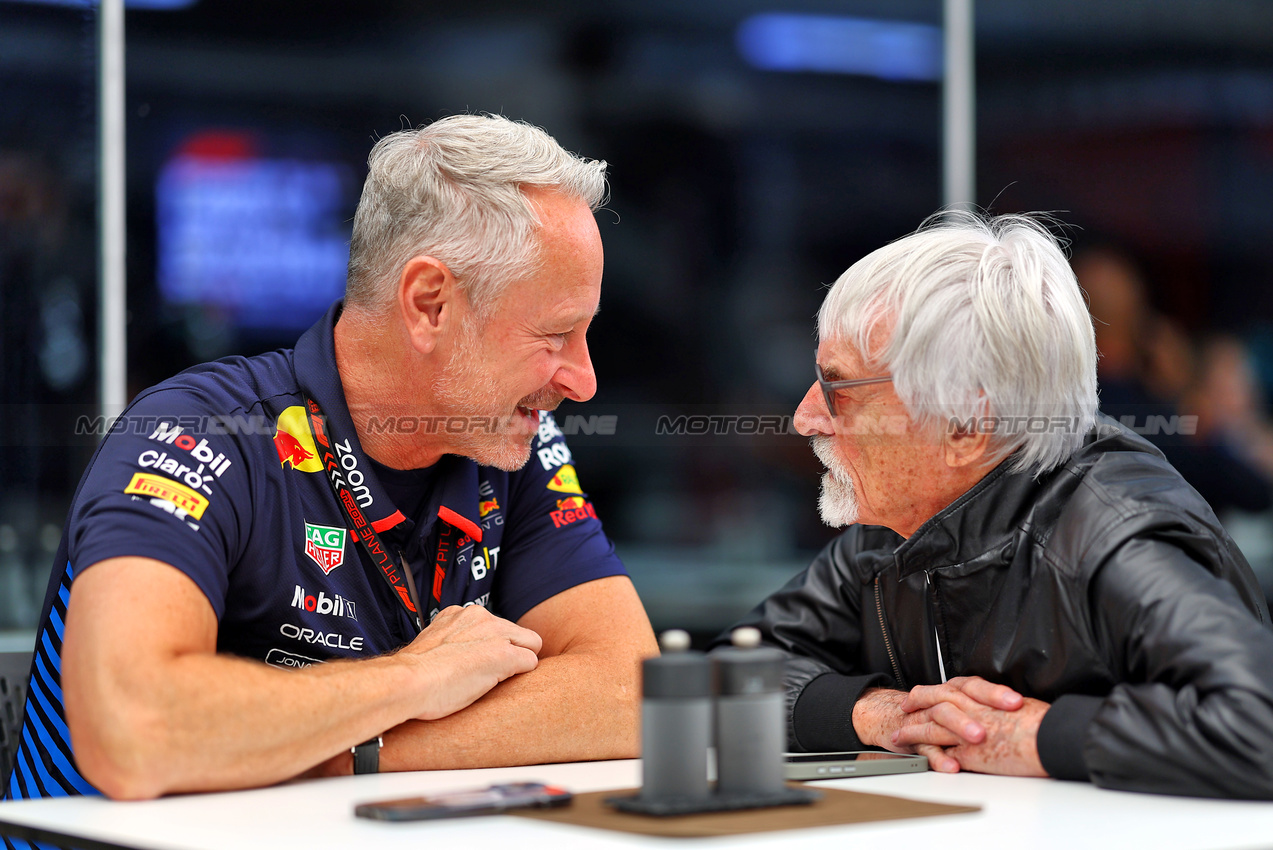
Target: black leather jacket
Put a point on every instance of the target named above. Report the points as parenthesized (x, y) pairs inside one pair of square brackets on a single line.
[(1106, 587)]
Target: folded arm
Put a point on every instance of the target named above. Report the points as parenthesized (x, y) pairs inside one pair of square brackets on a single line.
[(816, 620), (1195, 713), (582, 702), (152, 709)]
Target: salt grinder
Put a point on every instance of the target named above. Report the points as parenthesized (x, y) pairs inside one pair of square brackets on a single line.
[(676, 720), (750, 722)]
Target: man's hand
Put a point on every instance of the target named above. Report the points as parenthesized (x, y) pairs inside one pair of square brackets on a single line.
[(995, 729), (1010, 745), (469, 651), (965, 712)]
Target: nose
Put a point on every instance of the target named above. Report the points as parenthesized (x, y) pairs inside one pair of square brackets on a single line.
[(575, 378), (812, 417)]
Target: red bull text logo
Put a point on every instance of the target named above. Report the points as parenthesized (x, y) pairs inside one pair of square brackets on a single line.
[(571, 510)]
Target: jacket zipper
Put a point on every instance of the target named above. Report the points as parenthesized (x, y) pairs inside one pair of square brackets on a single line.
[(888, 644), (941, 665)]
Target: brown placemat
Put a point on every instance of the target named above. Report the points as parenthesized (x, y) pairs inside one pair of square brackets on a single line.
[(835, 808)]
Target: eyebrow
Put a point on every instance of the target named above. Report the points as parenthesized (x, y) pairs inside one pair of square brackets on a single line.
[(575, 318), (831, 373)]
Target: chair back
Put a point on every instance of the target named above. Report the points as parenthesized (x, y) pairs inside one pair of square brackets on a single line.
[(15, 667)]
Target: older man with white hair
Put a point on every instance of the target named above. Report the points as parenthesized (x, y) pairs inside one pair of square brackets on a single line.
[(1025, 587), (372, 552)]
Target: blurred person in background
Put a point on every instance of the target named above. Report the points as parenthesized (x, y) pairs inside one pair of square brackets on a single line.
[(1146, 365), (1025, 587), (1234, 431)]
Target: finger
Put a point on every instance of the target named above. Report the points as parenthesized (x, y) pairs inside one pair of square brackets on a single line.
[(991, 694), (967, 692), (937, 758), (927, 732), (447, 614), (955, 720), (921, 697), (527, 639), (521, 660)]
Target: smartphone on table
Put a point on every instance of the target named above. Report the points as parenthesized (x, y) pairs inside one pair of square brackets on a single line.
[(476, 801), (806, 766)]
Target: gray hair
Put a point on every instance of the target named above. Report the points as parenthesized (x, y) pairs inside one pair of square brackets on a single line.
[(984, 322), (452, 190)]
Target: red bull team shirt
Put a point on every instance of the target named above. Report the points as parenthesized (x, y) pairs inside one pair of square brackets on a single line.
[(216, 472)]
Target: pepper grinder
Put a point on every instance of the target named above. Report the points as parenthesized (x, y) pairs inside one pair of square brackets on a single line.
[(676, 720), (750, 722)]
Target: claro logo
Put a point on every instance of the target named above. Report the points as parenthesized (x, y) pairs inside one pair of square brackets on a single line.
[(332, 640)]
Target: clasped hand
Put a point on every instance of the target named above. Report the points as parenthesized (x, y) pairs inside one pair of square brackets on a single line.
[(966, 723)]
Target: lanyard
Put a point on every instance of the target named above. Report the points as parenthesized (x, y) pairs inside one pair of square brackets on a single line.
[(403, 587)]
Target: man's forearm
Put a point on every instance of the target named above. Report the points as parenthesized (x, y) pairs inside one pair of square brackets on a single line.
[(232, 723), (573, 707), (582, 702), (152, 709)]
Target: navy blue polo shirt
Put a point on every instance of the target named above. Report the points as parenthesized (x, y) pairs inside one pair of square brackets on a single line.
[(218, 473)]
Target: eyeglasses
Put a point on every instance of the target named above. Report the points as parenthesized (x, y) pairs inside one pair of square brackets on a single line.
[(829, 388)]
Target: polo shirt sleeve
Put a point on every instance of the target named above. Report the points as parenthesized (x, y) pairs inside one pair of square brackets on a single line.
[(554, 540), (167, 484)]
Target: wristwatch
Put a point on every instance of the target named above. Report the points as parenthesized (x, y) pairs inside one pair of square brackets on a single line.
[(367, 756)]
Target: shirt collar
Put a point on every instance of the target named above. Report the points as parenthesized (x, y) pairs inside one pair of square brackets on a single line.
[(455, 499), (318, 377)]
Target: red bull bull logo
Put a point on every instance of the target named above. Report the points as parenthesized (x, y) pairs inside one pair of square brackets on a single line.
[(570, 503), (295, 443), (485, 506)]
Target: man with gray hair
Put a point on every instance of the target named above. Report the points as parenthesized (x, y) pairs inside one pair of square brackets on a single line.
[(1025, 586), (399, 569)]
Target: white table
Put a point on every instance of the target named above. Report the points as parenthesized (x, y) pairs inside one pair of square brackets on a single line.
[(1027, 813)]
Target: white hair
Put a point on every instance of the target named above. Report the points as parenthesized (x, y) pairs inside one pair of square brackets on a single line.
[(453, 190), (980, 319)]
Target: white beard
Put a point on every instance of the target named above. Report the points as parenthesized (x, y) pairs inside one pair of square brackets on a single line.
[(838, 501)]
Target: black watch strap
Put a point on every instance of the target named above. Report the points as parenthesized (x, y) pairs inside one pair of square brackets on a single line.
[(367, 756)]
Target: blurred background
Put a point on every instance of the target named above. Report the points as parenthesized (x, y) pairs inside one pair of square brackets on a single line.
[(757, 149)]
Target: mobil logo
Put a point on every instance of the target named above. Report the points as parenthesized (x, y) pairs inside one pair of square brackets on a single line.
[(335, 605), (172, 434)]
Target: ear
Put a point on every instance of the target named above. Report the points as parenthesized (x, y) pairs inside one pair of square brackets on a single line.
[(427, 293), (964, 447)]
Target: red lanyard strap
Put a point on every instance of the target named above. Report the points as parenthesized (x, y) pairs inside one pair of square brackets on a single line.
[(367, 536)]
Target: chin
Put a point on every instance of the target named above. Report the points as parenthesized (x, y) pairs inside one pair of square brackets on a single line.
[(509, 456), (837, 503)]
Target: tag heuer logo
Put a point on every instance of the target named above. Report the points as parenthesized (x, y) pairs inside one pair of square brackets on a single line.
[(325, 546)]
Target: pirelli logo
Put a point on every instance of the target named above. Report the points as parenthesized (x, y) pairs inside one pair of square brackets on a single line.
[(158, 487)]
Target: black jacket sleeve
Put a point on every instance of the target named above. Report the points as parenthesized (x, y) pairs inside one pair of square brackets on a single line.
[(815, 619), (1194, 714)]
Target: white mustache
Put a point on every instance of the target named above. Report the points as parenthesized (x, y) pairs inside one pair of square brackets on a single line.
[(822, 448)]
